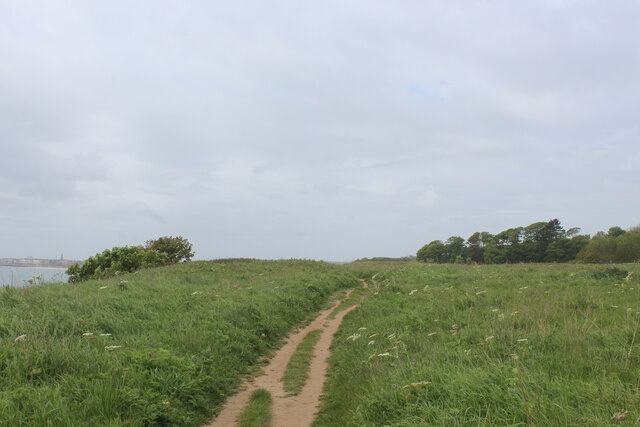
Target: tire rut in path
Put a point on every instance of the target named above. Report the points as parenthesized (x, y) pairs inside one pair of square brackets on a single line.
[(290, 411)]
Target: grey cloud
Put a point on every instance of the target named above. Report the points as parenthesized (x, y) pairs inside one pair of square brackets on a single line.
[(330, 130)]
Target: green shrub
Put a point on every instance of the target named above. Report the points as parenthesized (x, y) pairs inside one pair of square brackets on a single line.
[(115, 261), (176, 248)]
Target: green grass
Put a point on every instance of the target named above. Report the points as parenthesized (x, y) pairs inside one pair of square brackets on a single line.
[(183, 337), (488, 345), (297, 370), (257, 413)]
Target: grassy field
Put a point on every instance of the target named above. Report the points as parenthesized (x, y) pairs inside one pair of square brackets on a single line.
[(429, 345), (489, 345), (157, 347)]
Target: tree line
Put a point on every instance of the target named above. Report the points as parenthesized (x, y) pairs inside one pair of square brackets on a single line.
[(537, 242)]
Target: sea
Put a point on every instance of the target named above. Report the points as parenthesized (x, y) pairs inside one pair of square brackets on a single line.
[(18, 276)]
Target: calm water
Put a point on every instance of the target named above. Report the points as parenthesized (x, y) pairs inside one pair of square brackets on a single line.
[(17, 275)]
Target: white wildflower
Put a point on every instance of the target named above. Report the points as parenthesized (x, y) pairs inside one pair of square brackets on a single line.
[(103, 287), (194, 293), (112, 347), (413, 292), (87, 334), (480, 292), (372, 342), (353, 337), (21, 338), (430, 334), (384, 354), (105, 335)]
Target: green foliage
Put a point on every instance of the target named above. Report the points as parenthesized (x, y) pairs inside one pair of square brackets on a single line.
[(115, 261), (177, 249), (257, 413), (537, 242), (162, 251), (615, 246), (433, 252), (553, 344), (162, 346)]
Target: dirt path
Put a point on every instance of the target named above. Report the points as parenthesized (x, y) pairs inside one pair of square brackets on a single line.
[(290, 411)]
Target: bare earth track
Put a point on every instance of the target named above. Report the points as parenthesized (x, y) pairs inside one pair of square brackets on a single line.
[(287, 410)]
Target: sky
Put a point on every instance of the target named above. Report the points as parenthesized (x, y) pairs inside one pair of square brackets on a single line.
[(328, 130)]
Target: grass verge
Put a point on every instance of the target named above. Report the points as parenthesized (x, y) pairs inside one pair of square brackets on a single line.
[(257, 413), (553, 344), (297, 370)]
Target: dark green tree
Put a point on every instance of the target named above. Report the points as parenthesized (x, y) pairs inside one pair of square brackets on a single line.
[(615, 232), (475, 248), (433, 252), (454, 248), (177, 249)]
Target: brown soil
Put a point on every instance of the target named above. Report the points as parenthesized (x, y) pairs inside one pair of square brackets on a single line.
[(290, 411)]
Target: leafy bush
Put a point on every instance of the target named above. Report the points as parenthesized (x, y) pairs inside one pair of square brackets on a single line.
[(162, 251), (176, 248), (119, 259)]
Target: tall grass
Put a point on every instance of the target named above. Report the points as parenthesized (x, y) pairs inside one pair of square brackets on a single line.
[(489, 345), (158, 347)]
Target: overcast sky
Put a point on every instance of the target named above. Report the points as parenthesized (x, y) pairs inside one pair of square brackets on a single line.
[(327, 130)]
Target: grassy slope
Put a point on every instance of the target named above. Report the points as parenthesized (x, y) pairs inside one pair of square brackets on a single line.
[(186, 334), (500, 345)]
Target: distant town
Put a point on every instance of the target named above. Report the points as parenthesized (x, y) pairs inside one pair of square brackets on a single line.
[(37, 262)]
